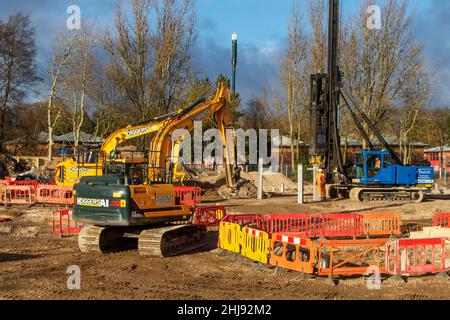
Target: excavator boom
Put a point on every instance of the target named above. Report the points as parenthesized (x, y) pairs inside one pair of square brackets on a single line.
[(69, 171)]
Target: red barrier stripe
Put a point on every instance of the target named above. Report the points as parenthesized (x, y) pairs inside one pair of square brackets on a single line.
[(415, 242), (254, 232), (290, 239)]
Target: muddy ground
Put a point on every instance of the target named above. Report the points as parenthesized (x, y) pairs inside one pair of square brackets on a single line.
[(33, 263)]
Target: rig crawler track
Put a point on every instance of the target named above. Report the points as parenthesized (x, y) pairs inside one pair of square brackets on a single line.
[(386, 194)]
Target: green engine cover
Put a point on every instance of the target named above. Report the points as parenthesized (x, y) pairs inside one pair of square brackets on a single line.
[(103, 200)]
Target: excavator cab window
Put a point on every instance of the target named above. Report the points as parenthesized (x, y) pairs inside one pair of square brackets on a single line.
[(117, 154), (359, 166), (373, 164)]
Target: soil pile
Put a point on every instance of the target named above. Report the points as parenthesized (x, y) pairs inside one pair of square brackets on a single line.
[(245, 189), (273, 182), (9, 167)]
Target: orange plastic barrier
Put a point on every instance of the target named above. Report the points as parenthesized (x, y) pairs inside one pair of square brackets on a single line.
[(381, 224), (51, 194), (17, 195), (340, 225), (350, 257), (63, 224), (306, 224), (188, 195), (441, 220), (209, 216), (293, 252), (417, 256)]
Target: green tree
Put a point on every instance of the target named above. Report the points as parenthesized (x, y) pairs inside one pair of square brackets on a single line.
[(199, 88)]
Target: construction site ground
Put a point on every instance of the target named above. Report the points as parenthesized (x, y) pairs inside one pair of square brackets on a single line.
[(34, 262)]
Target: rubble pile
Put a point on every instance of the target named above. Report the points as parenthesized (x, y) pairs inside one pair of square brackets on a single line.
[(245, 189), (9, 167)]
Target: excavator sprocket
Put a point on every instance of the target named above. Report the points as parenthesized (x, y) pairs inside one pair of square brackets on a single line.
[(172, 240)]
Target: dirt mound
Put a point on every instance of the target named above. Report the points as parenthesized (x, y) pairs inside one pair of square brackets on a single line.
[(246, 186), (273, 182), (245, 189), (9, 167)]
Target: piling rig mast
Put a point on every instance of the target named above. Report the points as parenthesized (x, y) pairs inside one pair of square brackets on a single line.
[(389, 179)]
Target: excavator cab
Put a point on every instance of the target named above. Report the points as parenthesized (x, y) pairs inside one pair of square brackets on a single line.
[(372, 166)]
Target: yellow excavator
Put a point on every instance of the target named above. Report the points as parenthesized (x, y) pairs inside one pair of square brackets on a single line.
[(163, 149), (92, 162), (121, 211)]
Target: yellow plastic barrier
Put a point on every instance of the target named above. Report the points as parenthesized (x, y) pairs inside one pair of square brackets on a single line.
[(230, 236), (255, 244)]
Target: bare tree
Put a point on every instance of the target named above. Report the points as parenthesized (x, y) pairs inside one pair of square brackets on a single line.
[(151, 65), (59, 61), (129, 49), (110, 103), (316, 17), (415, 96), (292, 70), (78, 78), (378, 64), (437, 129), (17, 67), (171, 43)]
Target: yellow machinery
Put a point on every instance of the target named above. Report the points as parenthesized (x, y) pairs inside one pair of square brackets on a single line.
[(92, 163), (163, 148), (121, 211)]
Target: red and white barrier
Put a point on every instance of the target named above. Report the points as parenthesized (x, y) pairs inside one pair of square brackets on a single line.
[(417, 256)]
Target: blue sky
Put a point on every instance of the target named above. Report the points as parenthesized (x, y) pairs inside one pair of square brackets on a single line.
[(261, 26)]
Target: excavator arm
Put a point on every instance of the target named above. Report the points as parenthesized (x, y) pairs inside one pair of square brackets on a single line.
[(135, 131), (69, 171), (164, 148)]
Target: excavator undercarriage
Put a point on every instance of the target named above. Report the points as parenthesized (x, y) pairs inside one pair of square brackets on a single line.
[(158, 240)]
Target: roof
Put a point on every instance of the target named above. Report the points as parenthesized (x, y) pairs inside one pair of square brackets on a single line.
[(42, 137), (84, 137), (391, 141), (439, 149)]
